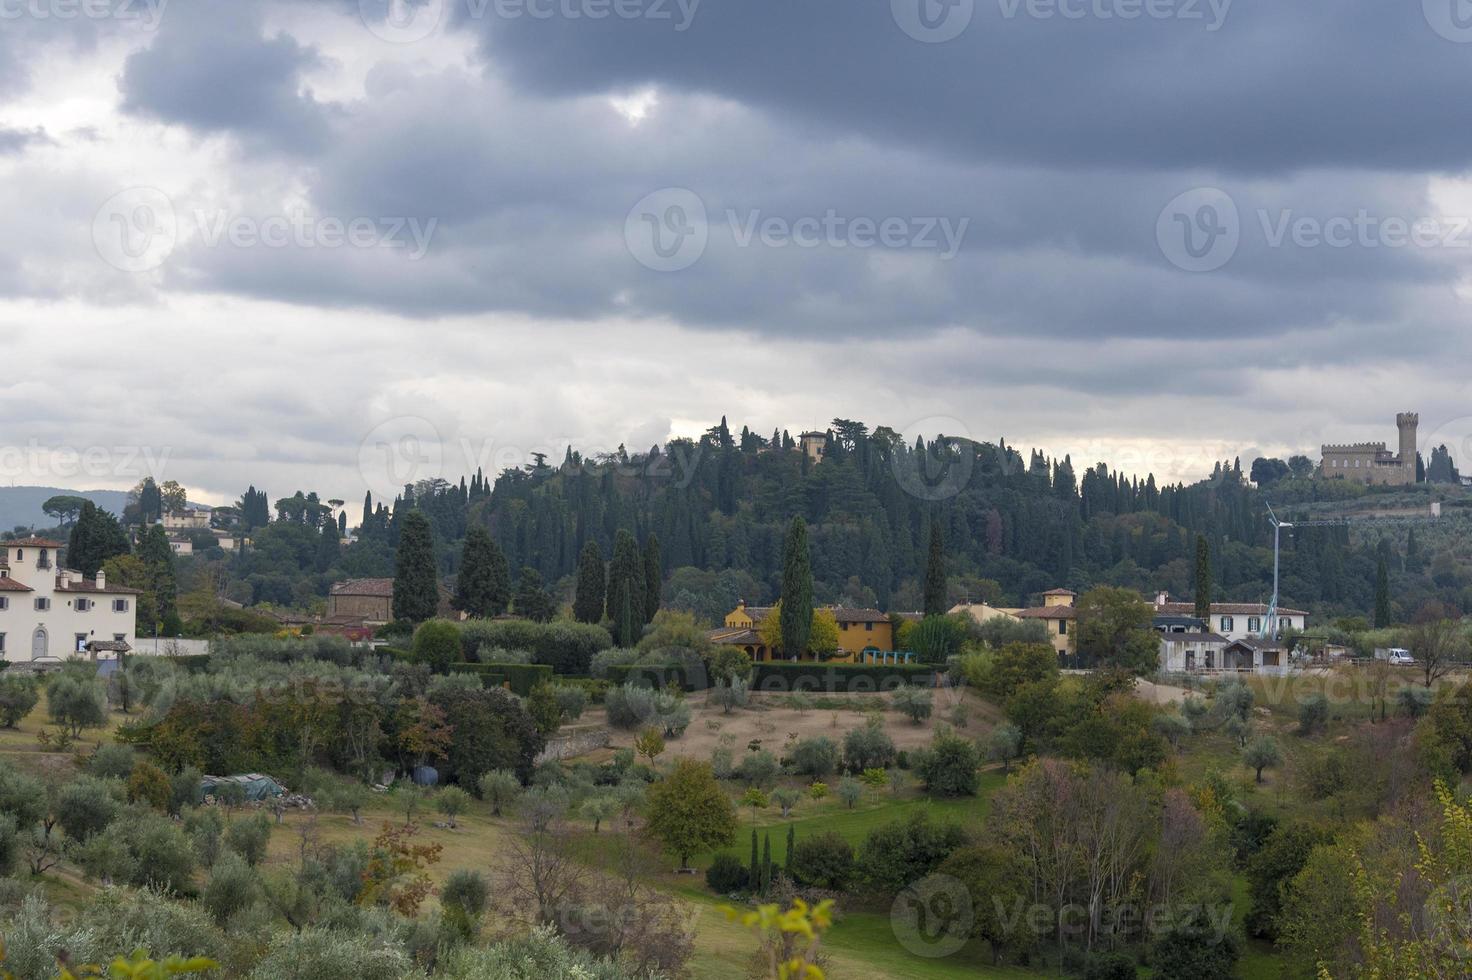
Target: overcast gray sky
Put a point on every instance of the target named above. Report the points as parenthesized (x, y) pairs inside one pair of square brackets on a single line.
[(323, 244)]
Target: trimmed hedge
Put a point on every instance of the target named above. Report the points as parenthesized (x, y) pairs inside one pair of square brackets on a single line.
[(521, 677), (595, 687), (838, 678), (567, 647), (658, 676)]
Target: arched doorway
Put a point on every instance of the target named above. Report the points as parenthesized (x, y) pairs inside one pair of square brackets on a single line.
[(38, 643)]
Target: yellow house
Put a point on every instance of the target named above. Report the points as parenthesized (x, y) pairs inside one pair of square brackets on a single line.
[(981, 611), (860, 631), (1058, 613)]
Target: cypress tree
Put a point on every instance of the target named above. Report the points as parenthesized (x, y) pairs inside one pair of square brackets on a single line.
[(797, 590), (158, 557), (342, 525), (653, 577), (81, 545), (416, 586), (1203, 578), (329, 546), (935, 574), (587, 603), (754, 874), (626, 589), (499, 593), (791, 842), (1382, 594), (532, 600), (766, 862), (475, 586)]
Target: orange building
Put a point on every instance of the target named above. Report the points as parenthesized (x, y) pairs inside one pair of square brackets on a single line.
[(1058, 612), (860, 632)]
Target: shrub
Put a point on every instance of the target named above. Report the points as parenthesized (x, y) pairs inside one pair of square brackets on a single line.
[(948, 766), (726, 875), (824, 860), (76, 702), (542, 705), (162, 857), (148, 784), (1171, 727), (230, 888), (818, 790), (1313, 713), (759, 769), (85, 806), (1012, 666), (1414, 702), (492, 731), (720, 762), (728, 694), (568, 648), (332, 955), (499, 788), (18, 696), (1262, 753), (521, 678), (1004, 744), (570, 701), (436, 645), (899, 853), (850, 791), (786, 798), (634, 706), (914, 702), (868, 747), (249, 837), (815, 756), (451, 801), (468, 891), (112, 760)]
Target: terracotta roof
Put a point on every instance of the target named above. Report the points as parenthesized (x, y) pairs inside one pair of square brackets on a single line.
[(1060, 592), (8, 584), (1047, 612), (379, 587), (735, 636), (1227, 609), (846, 615), (103, 646), (33, 543), (1256, 643)]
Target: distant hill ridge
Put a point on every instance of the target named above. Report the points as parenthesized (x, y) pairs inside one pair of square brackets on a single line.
[(21, 506)]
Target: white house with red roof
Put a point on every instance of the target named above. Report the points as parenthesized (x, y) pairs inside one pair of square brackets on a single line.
[(49, 613)]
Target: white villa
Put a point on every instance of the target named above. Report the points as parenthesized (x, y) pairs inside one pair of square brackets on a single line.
[(49, 613), (1236, 620)]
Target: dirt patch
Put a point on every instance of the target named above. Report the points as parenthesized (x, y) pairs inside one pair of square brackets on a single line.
[(1162, 693), (775, 725)]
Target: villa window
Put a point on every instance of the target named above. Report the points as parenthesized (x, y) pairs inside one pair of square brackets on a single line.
[(84, 605), (4, 602), (868, 627), (120, 637), (1253, 624), (2, 644), (1062, 627), (81, 642), (42, 605), (120, 605), (1226, 624), (1285, 623), (44, 559)]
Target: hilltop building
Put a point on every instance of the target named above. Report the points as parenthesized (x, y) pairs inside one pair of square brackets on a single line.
[(1058, 613), (49, 613), (1371, 462)]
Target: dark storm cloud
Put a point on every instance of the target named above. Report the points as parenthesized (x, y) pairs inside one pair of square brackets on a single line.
[(212, 68), (1274, 86)]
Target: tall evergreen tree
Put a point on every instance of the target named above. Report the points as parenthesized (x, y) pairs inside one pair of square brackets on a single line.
[(791, 843), (158, 559), (626, 589), (532, 600), (653, 576), (329, 546), (476, 592), (935, 574), (587, 602), (1203, 577), (797, 590), (754, 873), (1382, 594), (499, 594), (416, 585)]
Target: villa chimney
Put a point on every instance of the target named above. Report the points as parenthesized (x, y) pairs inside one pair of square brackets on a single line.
[(101, 579), (1161, 598)]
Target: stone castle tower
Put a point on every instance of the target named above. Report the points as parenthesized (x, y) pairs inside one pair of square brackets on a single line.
[(1372, 462), (1406, 422)]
